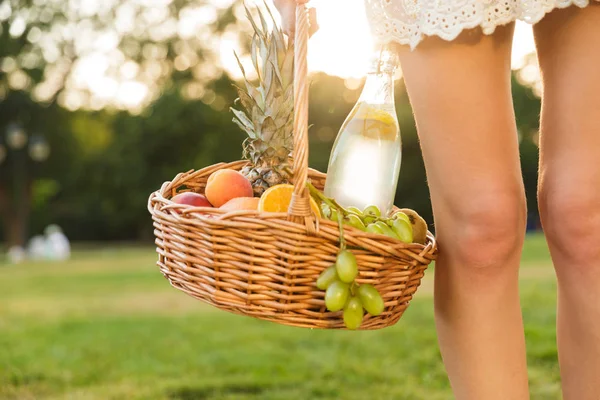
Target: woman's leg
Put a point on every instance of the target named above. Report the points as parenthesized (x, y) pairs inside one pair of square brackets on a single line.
[(461, 97), (568, 44)]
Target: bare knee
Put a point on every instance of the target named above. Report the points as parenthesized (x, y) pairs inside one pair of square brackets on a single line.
[(488, 231), (571, 221)]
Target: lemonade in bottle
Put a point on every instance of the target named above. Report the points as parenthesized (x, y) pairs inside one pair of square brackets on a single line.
[(365, 160)]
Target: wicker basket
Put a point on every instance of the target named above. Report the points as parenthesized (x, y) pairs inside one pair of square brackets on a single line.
[(265, 265)]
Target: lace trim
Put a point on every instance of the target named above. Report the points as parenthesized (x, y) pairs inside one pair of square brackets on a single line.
[(408, 21)]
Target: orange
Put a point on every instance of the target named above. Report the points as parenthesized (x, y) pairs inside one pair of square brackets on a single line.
[(278, 198)]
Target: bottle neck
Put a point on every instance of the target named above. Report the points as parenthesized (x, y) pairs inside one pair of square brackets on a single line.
[(378, 89)]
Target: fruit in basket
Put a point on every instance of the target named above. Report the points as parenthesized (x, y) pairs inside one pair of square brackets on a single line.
[(267, 117), (354, 210), (419, 226), (191, 199), (371, 299), (327, 277), (353, 313), (346, 266), (241, 203), (355, 221), (372, 211), (399, 215), (337, 295), (278, 199), (226, 184), (405, 225), (371, 214), (403, 230), (387, 231), (374, 228)]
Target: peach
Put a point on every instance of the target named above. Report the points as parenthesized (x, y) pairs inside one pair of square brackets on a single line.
[(226, 184), (241, 203), (191, 199)]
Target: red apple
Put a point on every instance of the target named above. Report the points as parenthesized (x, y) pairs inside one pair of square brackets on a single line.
[(191, 199)]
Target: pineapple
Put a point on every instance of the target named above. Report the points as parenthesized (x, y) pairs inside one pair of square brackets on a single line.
[(268, 107)]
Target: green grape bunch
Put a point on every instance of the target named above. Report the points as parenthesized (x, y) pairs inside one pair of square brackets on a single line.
[(399, 226), (342, 292)]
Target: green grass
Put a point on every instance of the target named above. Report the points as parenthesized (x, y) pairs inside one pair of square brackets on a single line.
[(106, 325)]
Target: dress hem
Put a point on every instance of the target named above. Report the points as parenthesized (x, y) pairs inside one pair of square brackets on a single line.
[(415, 40)]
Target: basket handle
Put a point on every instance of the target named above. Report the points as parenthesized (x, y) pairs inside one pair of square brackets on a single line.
[(299, 210)]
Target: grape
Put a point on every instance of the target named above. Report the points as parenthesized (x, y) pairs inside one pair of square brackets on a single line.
[(354, 221), (346, 266), (327, 277), (401, 215), (371, 299), (354, 210), (387, 231), (374, 228), (353, 313), (373, 211), (368, 220), (325, 210), (404, 230), (337, 295)]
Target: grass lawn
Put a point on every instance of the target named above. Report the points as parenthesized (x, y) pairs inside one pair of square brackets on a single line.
[(106, 325)]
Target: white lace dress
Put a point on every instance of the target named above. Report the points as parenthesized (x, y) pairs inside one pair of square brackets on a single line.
[(408, 21)]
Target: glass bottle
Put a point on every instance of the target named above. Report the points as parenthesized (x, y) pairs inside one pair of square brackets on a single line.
[(365, 160)]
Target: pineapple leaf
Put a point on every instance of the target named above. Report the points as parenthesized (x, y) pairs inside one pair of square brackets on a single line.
[(277, 74), (273, 59), (268, 129), (264, 55), (239, 124), (243, 122), (267, 82), (271, 92), (270, 13), (285, 115), (276, 30), (263, 21), (247, 153), (247, 101), (286, 107), (252, 91), (254, 54), (254, 26), (240, 64), (267, 107), (281, 48), (287, 69)]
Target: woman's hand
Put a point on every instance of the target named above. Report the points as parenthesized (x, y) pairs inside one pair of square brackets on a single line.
[(287, 10)]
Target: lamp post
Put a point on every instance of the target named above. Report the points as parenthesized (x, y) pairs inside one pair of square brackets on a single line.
[(21, 150)]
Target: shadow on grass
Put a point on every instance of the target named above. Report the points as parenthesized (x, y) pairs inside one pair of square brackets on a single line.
[(23, 380), (207, 393)]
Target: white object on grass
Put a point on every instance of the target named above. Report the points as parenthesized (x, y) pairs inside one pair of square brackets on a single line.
[(16, 255), (36, 249), (58, 247)]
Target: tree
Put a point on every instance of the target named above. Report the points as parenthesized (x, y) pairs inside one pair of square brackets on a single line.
[(47, 50)]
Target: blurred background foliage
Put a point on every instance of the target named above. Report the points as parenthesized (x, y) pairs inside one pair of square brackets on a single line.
[(129, 93)]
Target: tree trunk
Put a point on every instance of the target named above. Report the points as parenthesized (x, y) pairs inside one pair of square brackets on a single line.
[(15, 210), (5, 213)]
